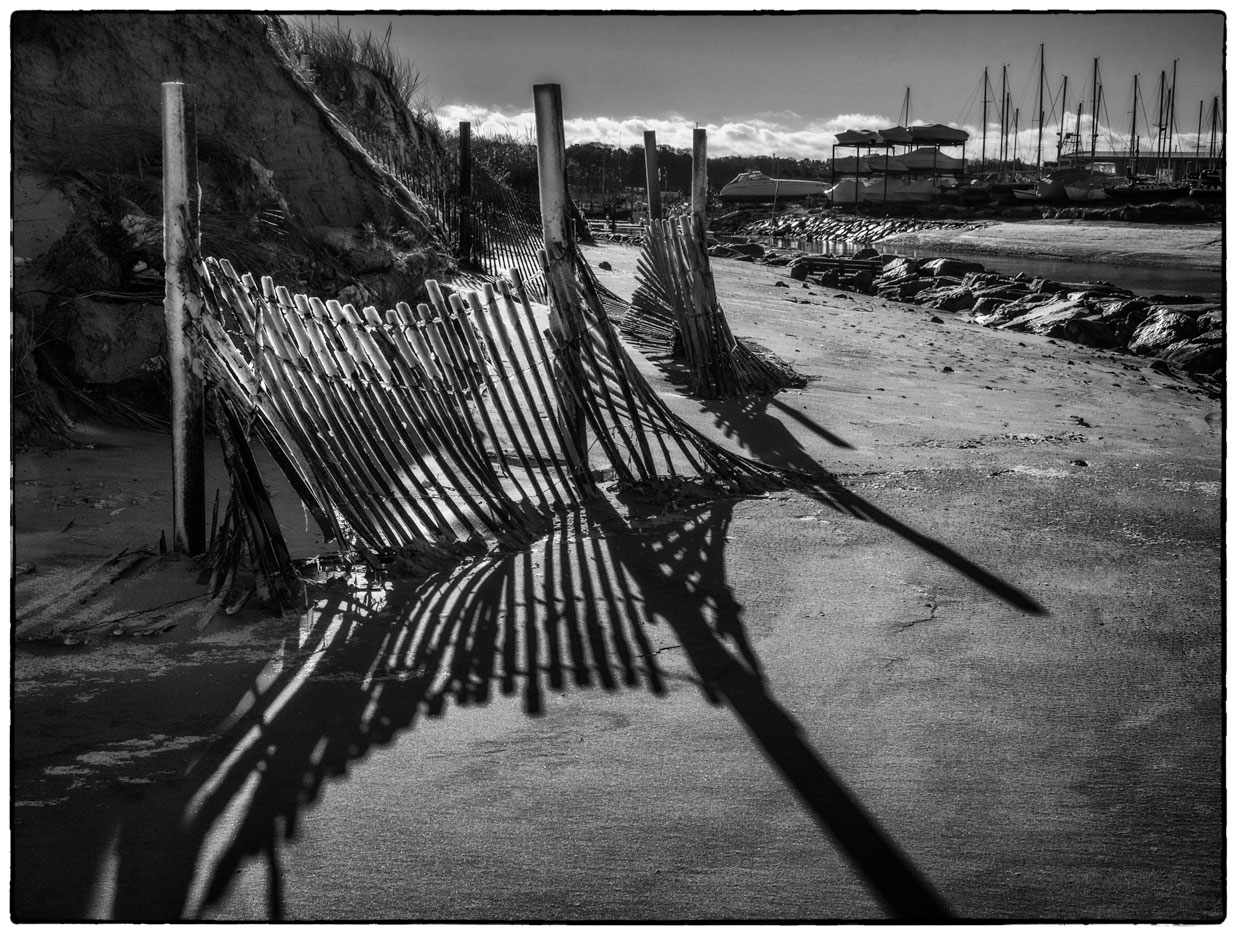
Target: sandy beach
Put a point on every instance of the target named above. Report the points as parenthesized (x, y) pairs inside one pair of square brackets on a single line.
[(976, 670)]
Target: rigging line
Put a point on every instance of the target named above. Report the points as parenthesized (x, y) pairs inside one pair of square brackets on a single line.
[(969, 105)]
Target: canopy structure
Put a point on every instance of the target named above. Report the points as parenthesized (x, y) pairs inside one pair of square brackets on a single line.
[(926, 162)]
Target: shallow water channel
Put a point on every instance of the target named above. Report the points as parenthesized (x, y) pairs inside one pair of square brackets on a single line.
[(1142, 280)]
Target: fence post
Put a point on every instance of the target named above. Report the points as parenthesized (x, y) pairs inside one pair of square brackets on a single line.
[(465, 191), (551, 168), (650, 175), (699, 184), (559, 246), (182, 309)]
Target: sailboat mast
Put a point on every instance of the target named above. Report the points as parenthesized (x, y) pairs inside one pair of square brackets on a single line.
[(1133, 140), (1064, 106), (1171, 119), (1214, 126), (1158, 139), (1197, 149), (983, 160), (1004, 114), (1094, 113), (1042, 75), (1081, 103)]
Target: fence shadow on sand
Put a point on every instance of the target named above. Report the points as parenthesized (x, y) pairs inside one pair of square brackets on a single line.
[(575, 610)]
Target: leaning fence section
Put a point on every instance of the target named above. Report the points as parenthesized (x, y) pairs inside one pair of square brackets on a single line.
[(459, 425), (675, 308)]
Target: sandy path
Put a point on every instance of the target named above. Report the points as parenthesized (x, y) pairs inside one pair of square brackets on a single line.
[(707, 713), (1197, 246)]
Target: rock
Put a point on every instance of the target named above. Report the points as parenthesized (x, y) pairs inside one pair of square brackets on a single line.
[(1047, 285), (113, 341), (1006, 291), (1093, 332), (862, 281), (829, 278), (987, 306), (899, 268), (1195, 356), (605, 265), (984, 280), (936, 320), (781, 285), (1162, 328), (867, 253), (949, 267), (950, 299), (946, 369), (747, 249), (1051, 318), (799, 269), (721, 252)]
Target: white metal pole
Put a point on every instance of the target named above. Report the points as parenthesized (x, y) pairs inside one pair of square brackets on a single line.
[(182, 310)]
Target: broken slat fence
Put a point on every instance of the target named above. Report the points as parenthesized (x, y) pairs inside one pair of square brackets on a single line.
[(424, 434), (675, 307), (505, 225)]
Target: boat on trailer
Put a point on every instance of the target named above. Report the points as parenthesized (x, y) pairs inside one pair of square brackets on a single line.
[(756, 186)]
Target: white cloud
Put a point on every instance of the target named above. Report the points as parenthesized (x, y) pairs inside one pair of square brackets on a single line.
[(782, 133)]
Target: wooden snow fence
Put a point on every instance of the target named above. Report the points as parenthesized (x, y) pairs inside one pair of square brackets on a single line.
[(420, 435), (675, 306)]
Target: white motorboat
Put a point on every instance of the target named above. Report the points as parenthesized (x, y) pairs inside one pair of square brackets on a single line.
[(756, 186)]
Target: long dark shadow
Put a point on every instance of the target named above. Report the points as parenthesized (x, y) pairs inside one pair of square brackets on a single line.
[(810, 424), (701, 538), (766, 439), (367, 665)]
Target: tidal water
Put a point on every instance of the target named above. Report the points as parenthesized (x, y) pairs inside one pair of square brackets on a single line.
[(1141, 280)]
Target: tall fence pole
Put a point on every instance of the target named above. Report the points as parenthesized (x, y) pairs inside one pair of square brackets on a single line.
[(551, 169), (650, 175), (556, 229), (465, 190), (182, 309), (699, 183)]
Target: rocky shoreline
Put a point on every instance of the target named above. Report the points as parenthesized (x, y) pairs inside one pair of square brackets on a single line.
[(1183, 333), (828, 224)]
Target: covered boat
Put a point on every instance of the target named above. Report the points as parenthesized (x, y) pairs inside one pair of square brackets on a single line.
[(891, 190), (845, 191), (756, 186), (938, 134), (858, 137), (930, 159)]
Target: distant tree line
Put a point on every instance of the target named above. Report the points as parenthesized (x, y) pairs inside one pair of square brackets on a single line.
[(604, 168)]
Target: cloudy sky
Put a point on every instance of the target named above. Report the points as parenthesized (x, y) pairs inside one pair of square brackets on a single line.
[(785, 83)]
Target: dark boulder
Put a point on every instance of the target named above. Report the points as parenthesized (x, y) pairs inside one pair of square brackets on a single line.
[(747, 249)]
